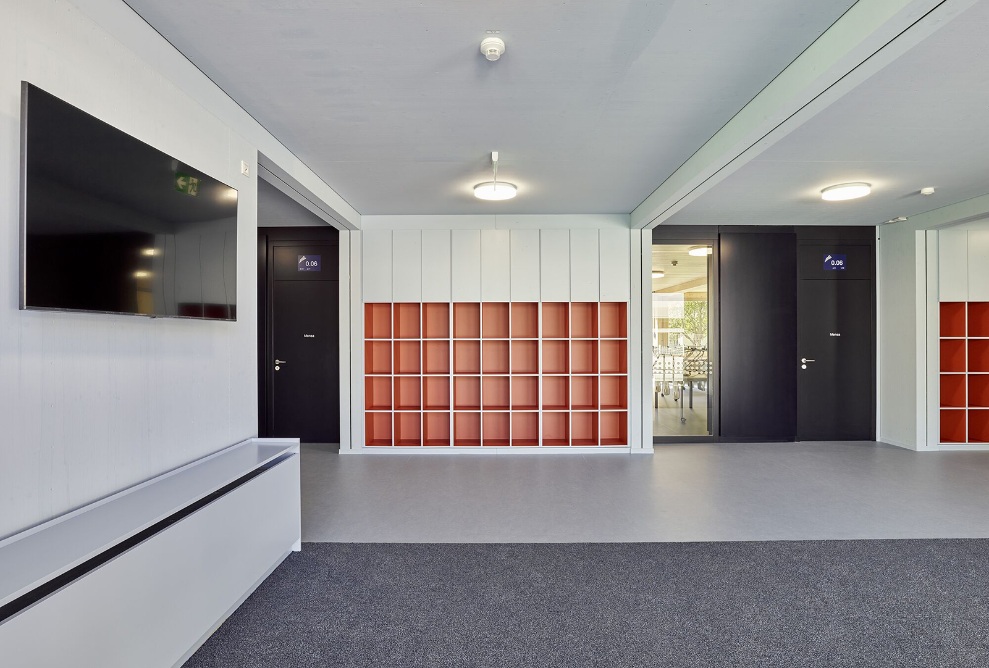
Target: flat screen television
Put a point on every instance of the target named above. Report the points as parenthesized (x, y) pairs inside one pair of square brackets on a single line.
[(110, 224)]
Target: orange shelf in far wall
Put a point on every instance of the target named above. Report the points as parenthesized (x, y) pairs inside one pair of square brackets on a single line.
[(614, 356), (436, 357), (525, 356), (495, 429), (436, 429), (408, 393), (525, 393), (952, 318), (614, 428), (978, 355), (953, 390), (467, 429), (525, 429), (494, 357), (377, 357), (614, 392), (466, 320), (377, 427), (584, 392), (584, 320), (408, 428), (556, 320), (584, 429), (614, 320), (377, 321), (435, 321), (583, 357), (978, 391), (953, 426), (978, 318), (952, 354), (406, 324), (556, 428), (494, 320), (467, 393), (377, 393), (466, 357), (494, 392), (556, 393), (525, 320), (407, 357), (556, 357), (436, 393), (978, 426)]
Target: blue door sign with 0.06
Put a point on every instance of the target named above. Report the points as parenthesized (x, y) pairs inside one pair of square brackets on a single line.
[(835, 262), (309, 263)]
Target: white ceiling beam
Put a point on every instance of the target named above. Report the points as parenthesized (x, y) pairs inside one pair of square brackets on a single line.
[(869, 36)]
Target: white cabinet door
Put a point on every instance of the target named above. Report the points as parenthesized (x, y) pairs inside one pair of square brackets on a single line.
[(525, 265), (376, 248), (554, 265), (953, 265), (616, 275), (436, 265), (496, 266), (978, 266), (465, 263), (407, 265), (585, 263)]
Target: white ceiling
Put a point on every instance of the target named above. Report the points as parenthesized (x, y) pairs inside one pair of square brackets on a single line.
[(592, 107)]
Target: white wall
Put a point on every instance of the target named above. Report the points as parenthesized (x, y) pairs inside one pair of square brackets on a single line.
[(91, 403)]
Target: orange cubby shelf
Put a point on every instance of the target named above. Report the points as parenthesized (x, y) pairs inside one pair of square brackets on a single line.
[(407, 357), (408, 428), (406, 325), (377, 357), (614, 428), (407, 393), (556, 428), (436, 357), (583, 356), (378, 428), (978, 391), (466, 357), (614, 393), (494, 320), (953, 390), (436, 393), (952, 354), (556, 320), (377, 393), (556, 357), (495, 429), (525, 320), (952, 318), (494, 392), (466, 429), (584, 429), (978, 426), (494, 357), (525, 428), (584, 320), (614, 356), (467, 320), (436, 429), (556, 393), (978, 318), (584, 392), (614, 320), (525, 356), (953, 426), (467, 393), (978, 355), (525, 393), (436, 321), (377, 321)]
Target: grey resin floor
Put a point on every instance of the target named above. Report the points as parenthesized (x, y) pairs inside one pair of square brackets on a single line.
[(698, 492)]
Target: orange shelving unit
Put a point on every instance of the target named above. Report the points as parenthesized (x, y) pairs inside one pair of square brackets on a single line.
[(952, 319), (953, 426), (978, 319), (978, 355), (978, 426), (953, 355), (519, 374), (964, 372)]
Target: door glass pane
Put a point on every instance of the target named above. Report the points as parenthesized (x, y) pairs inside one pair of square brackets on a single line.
[(680, 334)]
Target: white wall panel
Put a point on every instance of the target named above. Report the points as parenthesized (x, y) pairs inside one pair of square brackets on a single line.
[(377, 265), (615, 266), (436, 266), (525, 265), (978, 265), (356, 377), (585, 266), (496, 266), (406, 253), (466, 265), (554, 265), (953, 265)]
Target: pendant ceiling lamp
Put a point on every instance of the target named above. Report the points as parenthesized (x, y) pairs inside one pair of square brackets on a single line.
[(495, 190)]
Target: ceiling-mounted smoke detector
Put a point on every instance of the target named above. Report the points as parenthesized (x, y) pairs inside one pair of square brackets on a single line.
[(492, 47)]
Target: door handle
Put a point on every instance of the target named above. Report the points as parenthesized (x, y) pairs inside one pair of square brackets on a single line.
[(803, 362), (280, 361), (278, 364)]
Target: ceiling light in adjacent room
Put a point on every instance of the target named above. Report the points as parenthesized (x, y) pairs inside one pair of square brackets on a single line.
[(495, 190), (845, 191), (658, 273), (700, 251), (142, 274)]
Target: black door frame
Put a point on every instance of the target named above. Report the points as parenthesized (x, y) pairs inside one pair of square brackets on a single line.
[(267, 238)]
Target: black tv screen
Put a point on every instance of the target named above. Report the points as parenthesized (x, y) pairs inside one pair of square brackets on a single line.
[(113, 225)]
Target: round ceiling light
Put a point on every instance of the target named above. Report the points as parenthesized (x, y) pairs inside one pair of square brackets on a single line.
[(658, 273), (495, 190), (844, 191), (700, 251)]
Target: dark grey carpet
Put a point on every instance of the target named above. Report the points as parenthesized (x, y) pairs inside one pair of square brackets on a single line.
[(813, 603)]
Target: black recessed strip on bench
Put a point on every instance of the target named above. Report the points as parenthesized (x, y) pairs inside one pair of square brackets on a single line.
[(51, 586)]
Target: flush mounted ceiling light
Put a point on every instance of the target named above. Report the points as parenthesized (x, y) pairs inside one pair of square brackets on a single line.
[(700, 251), (844, 191), (495, 190), (657, 273)]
